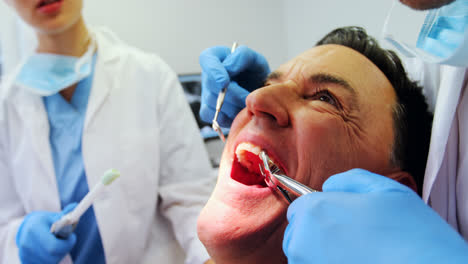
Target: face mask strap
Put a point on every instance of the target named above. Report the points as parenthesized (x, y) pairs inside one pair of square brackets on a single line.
[(422, 48), (387, 20), (405, 49), (87, 56)]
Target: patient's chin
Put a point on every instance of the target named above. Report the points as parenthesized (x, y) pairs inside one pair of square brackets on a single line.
[(218, 231), (228, 237), (220, 224), (240, 216)]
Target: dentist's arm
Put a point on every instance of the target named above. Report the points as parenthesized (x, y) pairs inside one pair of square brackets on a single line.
[(361, 217), (244, 71), (25, 237)]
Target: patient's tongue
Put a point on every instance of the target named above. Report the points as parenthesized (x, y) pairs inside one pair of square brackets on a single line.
[(248, 172)]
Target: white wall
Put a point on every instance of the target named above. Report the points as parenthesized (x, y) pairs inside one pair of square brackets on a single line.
[(178, 30), (307, 21)]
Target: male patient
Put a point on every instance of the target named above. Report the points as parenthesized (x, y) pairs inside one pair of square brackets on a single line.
[(344, 104)]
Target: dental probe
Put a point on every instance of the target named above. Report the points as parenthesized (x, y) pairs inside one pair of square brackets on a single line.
[(67, 223), (219, 104), (282, 183)]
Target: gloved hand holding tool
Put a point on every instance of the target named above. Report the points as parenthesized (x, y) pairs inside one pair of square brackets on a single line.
[(362, 217), (243, 71)]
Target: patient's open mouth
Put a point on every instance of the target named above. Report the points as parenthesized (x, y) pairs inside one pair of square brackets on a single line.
[(245, 168)]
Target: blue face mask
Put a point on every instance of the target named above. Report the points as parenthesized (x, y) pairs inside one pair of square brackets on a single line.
[(443, 38), (47, 74)]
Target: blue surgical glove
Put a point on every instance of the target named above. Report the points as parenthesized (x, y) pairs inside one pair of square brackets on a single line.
[(35, 242), (361, 217), (244, 71)]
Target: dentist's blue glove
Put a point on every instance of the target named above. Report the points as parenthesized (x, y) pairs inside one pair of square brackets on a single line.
[(361, 217), (35, 242), (244, 71)]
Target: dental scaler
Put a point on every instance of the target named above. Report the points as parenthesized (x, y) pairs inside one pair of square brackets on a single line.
[(219, 104)]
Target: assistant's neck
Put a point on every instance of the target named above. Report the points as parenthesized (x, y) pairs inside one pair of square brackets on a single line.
[(72, 41)]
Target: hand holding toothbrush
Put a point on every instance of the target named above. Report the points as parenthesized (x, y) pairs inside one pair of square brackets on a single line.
[(46, 237), (67, 223), (36, 244)]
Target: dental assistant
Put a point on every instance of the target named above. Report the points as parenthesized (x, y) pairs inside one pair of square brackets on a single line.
[(361, 217), (85, 102)]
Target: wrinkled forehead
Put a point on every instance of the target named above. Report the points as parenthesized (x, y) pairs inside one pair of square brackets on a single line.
[(342, 62)]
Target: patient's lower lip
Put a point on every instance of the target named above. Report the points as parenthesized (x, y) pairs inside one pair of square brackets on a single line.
[(50, 8)]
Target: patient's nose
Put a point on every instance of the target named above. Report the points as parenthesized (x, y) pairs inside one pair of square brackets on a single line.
[(271, 102)]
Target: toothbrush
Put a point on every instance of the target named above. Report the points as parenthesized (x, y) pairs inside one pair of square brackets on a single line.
[(67, 223)]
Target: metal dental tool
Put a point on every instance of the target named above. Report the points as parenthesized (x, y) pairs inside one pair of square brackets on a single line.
[(219, 104), (285, 185)]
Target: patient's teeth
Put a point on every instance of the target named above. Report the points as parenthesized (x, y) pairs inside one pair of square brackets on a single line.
[(243, 147), (242, 151)]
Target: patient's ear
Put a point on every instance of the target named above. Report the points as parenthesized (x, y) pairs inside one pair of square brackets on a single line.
[(404, 178)]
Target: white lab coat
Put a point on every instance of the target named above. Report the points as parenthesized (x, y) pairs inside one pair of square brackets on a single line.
[(138, 122), (446, 179), (17, 39)]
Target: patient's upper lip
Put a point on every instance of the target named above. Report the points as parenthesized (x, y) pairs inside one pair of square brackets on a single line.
[(39, 3)]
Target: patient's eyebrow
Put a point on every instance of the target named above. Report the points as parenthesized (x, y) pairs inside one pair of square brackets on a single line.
[(320, 78), (324, 78), (273, 76)]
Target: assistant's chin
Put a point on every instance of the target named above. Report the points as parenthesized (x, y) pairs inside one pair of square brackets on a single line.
[(59, 25)]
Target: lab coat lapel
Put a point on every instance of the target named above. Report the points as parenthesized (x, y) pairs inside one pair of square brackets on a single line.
[(451, 83), (103, 81), (32, 113)]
